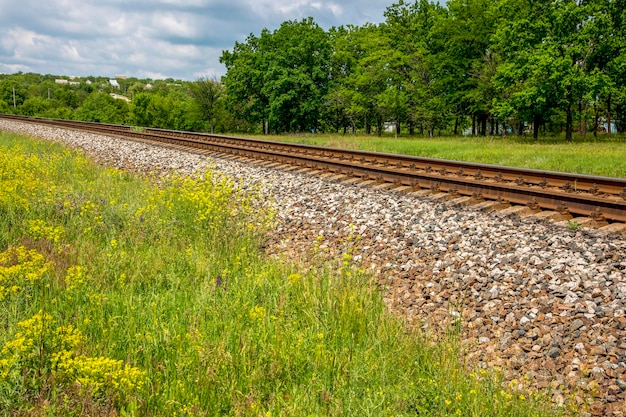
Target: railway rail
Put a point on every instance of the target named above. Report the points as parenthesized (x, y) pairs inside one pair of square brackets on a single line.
[(601, 199)]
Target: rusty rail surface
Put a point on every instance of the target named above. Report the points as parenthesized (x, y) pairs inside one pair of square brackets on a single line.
[(600, 198)]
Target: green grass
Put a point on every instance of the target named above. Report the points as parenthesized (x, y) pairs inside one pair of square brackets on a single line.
[(135, 296), (604, 156)]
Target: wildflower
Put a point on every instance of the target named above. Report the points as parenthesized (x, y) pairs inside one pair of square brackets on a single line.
[(75, 277), (257, 313), (294, 278), (38, 229)]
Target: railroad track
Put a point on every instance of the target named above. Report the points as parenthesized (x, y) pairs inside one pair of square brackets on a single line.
[(600, 199)]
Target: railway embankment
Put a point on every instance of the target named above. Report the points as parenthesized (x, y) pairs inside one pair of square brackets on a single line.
[(546, 303)]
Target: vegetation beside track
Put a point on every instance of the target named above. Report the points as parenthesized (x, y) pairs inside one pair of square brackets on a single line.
[(605, 156), (135, 296)]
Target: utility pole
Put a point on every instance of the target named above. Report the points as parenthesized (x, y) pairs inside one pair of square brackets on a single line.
[(14, 98)]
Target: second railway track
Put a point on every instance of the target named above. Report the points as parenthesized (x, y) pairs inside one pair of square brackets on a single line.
[(599, 198)]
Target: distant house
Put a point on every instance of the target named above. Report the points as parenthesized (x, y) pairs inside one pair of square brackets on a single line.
[(114, 83), (120, 77), (88, 82), (120, 97), (148, 86), (74, 83), (60, 81)]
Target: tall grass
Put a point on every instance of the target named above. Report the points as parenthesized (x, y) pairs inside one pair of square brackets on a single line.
[(132, 296), (605, 157)]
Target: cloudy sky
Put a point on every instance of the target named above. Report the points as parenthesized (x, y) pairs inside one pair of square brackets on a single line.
[(182, 39)]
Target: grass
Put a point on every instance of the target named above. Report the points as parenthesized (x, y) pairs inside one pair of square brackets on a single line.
[(603, 156), (128, 296)]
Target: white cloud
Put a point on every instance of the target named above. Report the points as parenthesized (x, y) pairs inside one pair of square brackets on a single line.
[(148, 38), (70, 52), (173, 24)]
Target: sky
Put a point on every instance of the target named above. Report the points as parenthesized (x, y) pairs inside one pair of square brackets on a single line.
[(180, 39)]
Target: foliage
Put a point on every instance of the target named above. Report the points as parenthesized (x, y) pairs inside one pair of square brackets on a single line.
[(474, 67), (101, 107), (149, 296), (207, 94)]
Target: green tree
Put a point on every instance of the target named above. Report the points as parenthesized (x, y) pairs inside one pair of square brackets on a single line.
[(417, 85), (245, 78), (101, 107), (13, 92), (464, 58), (34, 106), (297, 77), (280, 78), (4, 107), (207, 94)]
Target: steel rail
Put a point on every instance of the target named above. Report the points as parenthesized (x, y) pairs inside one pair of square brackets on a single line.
[(592, 196)]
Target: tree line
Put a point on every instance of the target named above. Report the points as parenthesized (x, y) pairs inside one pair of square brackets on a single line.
[(480, 67), (485, 66), (166, 104)]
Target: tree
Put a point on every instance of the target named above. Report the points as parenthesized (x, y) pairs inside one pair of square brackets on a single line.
[(35, 106), (465, 58), (13, 92), (101, 107), (245, 79), (4, 107), (207, 93), (417, 86), (296, 82), (281, 77)]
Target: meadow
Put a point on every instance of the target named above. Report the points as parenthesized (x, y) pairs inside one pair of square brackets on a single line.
[(603, 156), (127, 295)]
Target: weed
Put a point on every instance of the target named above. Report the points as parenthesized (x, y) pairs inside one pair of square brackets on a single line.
[(152, 298)]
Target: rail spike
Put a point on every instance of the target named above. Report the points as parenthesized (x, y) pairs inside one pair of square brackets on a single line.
[(561, 208), (597, 215), (568, 187), (533, 205)]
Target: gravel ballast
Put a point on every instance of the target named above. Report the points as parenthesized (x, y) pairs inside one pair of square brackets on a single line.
[(543, 303)]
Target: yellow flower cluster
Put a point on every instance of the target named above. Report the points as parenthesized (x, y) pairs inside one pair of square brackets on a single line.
[(38, 229), (20, 267), (294, 278), (38, 347), (92, 213), (18, 178), (101, 374), (207, 197), (258, 313), (75, 278)]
